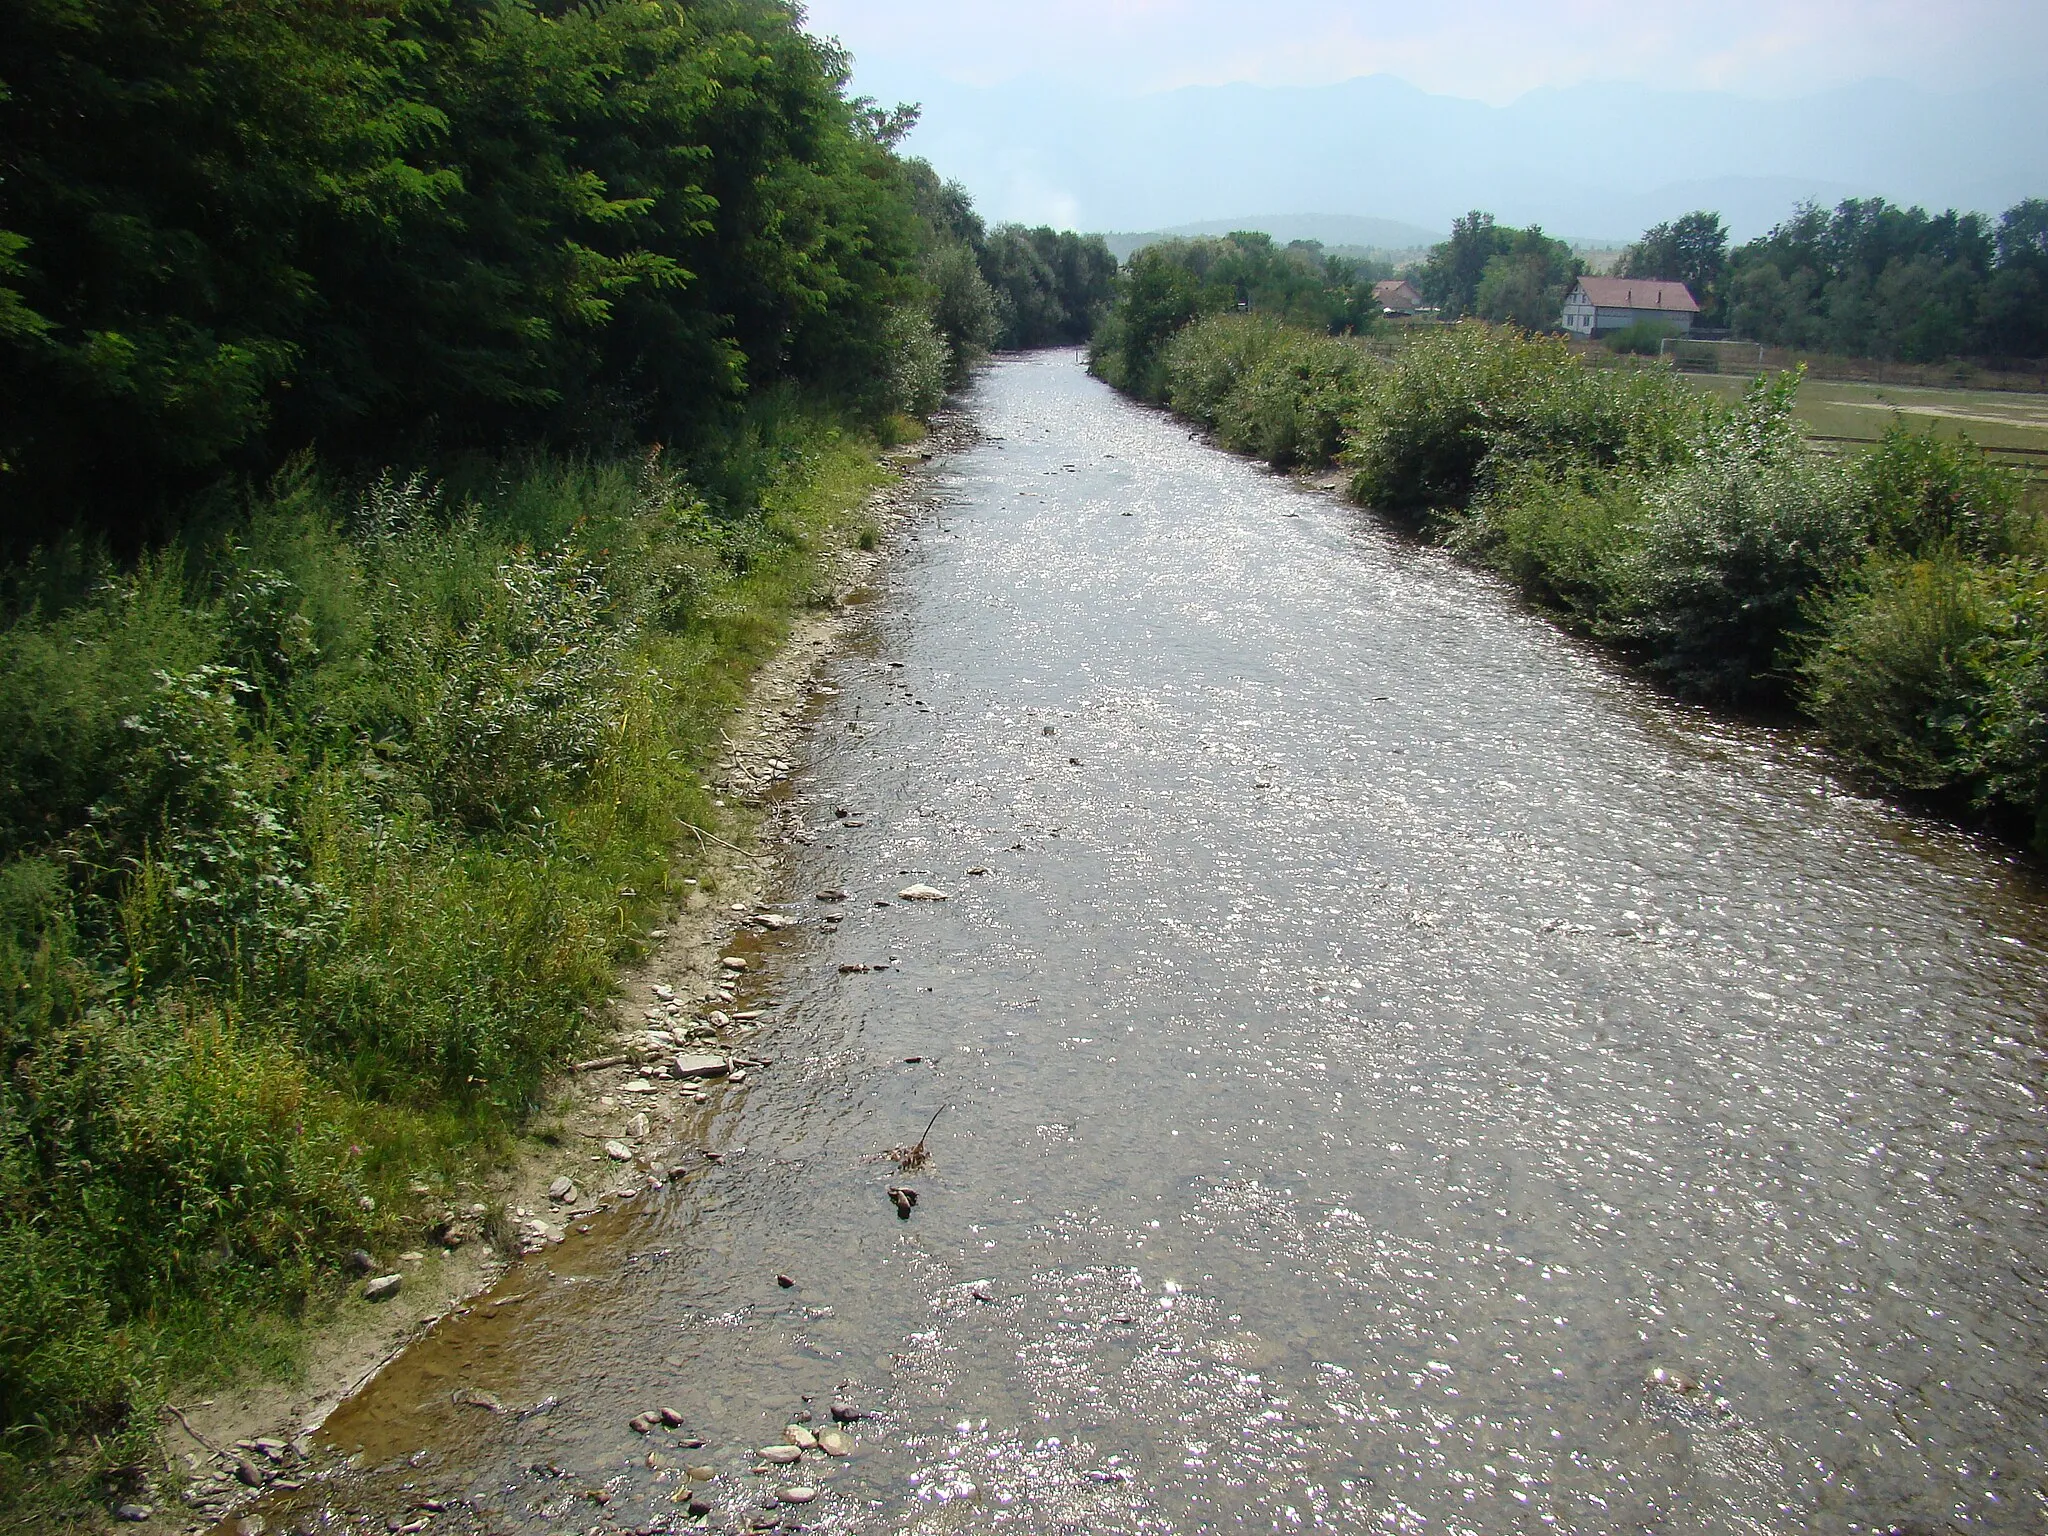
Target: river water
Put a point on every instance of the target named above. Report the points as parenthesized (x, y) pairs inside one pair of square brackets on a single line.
[(1401, 1074)]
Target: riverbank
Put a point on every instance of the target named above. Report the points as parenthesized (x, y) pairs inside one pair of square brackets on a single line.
[(537, 938), (628, 1094), (1898, 600)]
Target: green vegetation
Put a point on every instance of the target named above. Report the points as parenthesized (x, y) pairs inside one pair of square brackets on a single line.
[(1897, 599), (1511, 276), (416, 421), (1167, 285), (1868, 280)]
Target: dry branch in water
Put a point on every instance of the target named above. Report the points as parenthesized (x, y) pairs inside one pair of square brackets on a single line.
[(911, 1158)]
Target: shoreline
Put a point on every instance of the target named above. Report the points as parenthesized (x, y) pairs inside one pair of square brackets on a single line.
[(255, 1436)]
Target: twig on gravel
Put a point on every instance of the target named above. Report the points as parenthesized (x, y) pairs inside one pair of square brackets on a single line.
[(179, 1414), (702, 836)]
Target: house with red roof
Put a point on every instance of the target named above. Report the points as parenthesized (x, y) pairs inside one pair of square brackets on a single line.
[(1396, 296), (1597, 305)]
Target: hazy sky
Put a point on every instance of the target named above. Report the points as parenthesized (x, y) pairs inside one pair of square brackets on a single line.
[(1493, 50)]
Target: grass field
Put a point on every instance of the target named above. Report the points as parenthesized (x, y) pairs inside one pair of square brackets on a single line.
[(2009, 425)]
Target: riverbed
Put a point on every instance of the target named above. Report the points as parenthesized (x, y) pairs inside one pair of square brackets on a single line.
[(1398, 1072)]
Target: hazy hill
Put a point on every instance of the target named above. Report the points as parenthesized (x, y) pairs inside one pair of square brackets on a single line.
[(1595, 162)]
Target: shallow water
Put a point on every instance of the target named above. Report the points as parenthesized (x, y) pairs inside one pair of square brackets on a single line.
[(1386, 1037)]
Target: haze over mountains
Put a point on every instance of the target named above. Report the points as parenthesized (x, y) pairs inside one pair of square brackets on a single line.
[(1589, 162)]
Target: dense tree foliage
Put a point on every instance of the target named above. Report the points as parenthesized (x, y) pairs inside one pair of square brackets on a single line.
[(1498, 273), (230, 229), (1870, 279), (1166, 285), (1051, 286)]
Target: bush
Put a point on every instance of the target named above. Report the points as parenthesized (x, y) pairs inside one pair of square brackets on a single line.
[(919, 365), (1926, 494), (1208, 361), (2011, 761), (1896, 675), (1562, 538), (1729, 552), (1290, 408), (1469, 400)]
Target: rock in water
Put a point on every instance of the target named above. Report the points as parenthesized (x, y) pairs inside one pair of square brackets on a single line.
[(383, 1287), (844, 1412), (798, 1494), (781, 1455), (921, 893)]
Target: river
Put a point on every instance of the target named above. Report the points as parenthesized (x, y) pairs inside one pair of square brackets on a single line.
[(1401, 1073)]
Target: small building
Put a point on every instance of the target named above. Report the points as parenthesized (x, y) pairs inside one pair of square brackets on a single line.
[(1597, 305), (1396, 296)]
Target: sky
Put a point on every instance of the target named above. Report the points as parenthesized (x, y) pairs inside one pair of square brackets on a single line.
[(1489, 50)]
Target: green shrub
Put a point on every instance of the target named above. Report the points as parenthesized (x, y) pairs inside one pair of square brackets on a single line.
[(1896, 672), (1208, 361), (1457, 399), (1290, 408), (1730, 551), (1926, 493), (2011, 762), (919, 364), (1563, 538)]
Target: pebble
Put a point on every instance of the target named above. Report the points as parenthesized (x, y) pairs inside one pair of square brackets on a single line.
[(833, 1443), (781, 1455), (797, 1493), (133, 1512), (618, 1152), (800, 1437), (701, 1064), (636, 1085), (734, 963), (921, 893), (834, 895), (637, 1128), (247, 1473), (383, 1287), (701, 1474)]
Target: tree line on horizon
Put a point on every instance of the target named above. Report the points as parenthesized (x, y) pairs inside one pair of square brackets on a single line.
[(1869, 279)]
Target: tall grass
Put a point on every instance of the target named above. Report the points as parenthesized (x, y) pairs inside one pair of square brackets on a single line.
[(320, 839)]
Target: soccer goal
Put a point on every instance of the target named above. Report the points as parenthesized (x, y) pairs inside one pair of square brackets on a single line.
[(1690, 355)]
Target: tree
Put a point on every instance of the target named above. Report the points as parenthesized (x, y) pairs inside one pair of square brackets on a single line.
[(1692, 250), (1449, 277)]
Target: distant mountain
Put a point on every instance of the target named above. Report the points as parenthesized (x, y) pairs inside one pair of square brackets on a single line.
[(1338, 231), (1596, 162)]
